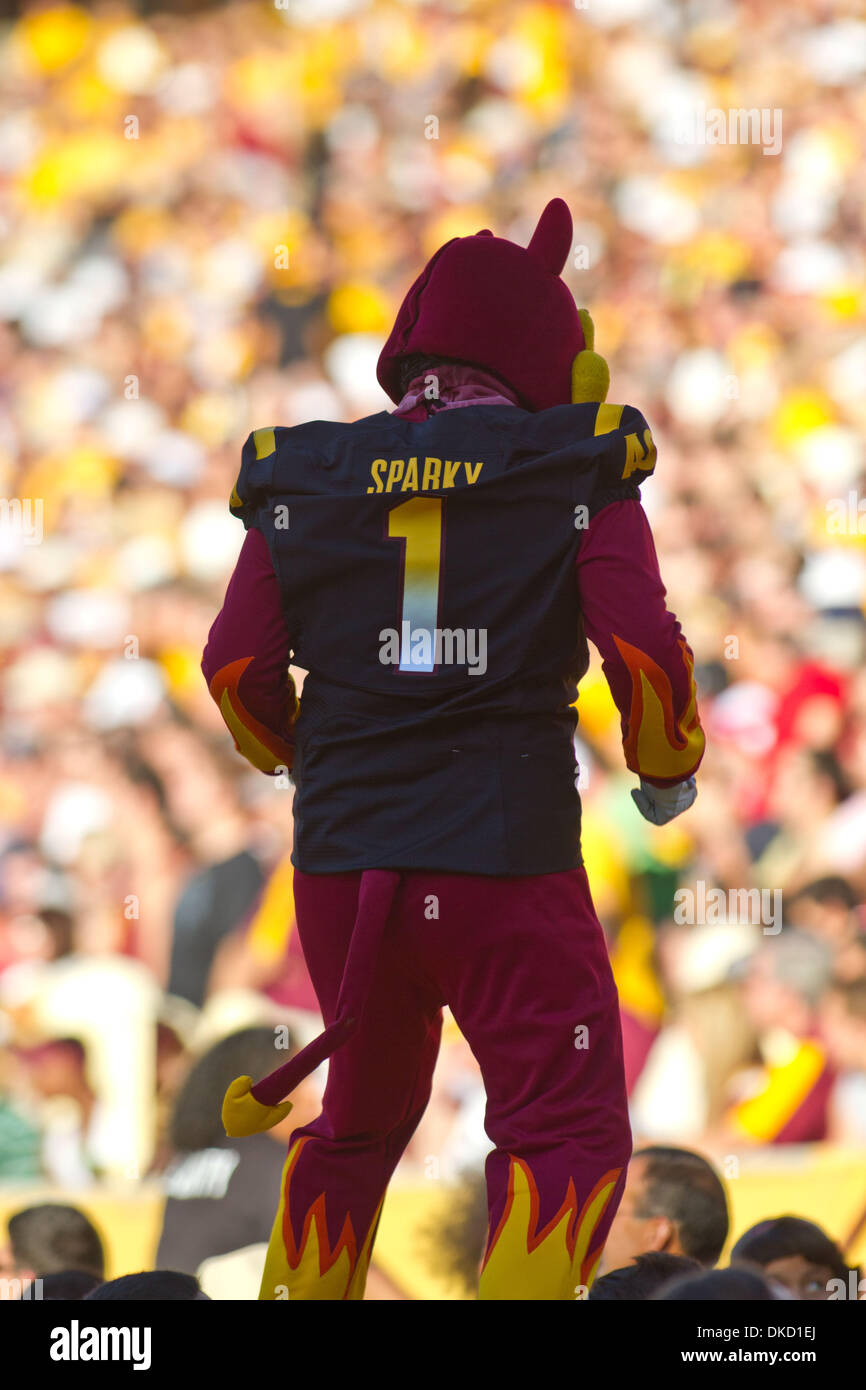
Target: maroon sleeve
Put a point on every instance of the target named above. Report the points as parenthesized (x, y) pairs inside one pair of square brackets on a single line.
[(246, 661), (645, 658)]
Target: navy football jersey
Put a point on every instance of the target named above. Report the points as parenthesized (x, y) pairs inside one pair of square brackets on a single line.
[(427, 573)]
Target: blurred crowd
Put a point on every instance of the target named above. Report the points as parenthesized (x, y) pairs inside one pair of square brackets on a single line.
[(209, 215)]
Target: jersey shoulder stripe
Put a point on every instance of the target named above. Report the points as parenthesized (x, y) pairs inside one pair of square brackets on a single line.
[(635, 451)]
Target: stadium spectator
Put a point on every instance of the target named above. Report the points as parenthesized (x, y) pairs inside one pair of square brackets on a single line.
[(645, 1278), (843, 1028), (453, 1245), (226, 878), (798, 1255), (828, 909), (57, 1070), (673, 1203), (790, 1093), (150, 1286), (719, 1286), (20, 1145), (51, 1239), (221, 1193)]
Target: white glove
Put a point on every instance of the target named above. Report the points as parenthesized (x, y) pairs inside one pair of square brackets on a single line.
[(658, 805)]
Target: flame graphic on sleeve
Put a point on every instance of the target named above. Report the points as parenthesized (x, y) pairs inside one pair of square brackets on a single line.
[(313, 1269), (257, 743), (658, 744), (523, 1262)]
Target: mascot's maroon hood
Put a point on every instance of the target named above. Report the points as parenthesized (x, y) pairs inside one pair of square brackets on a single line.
[(484, 300)]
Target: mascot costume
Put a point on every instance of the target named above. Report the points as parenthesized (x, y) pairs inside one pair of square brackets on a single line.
[(436, 571)]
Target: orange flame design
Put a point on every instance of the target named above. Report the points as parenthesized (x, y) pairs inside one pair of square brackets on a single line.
[(313, 1269), (527, 1263), (658, 744)]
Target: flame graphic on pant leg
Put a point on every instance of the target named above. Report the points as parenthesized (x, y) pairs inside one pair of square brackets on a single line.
[(312, 1269), (658, 744), (523, 1262)]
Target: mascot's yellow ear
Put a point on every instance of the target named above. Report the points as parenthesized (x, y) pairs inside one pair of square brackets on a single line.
[(588, 327), (244, 1115), (590, 374)]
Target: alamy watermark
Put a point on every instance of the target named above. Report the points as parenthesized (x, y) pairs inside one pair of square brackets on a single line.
[(701, 906), (13, 1288), (22, 516), (711, 125), (77, 1343), (425, 649), (846, 516)]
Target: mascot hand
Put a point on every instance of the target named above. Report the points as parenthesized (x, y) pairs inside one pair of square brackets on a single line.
[(658, 805), (244, 1115)]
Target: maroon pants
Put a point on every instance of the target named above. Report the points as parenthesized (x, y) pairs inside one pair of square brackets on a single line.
[(522, 964)]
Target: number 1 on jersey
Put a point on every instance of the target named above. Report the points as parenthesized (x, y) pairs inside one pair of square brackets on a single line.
[(418, 522)]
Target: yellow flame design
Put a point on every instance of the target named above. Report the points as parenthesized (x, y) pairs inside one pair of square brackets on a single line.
[(659, 745), (528, 1264), (314, 1270)]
